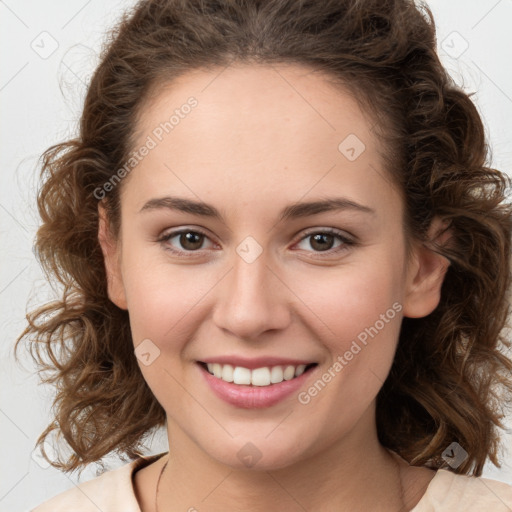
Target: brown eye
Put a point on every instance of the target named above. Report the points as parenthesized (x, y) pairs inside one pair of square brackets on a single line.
[(322, 241), (191, 240), (183, 241), (325, 240)]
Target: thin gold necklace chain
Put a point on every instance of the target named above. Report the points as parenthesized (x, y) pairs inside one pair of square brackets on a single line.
[(402, 509), (158, 484)]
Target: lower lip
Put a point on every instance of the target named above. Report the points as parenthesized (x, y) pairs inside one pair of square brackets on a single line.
[(254, 397)]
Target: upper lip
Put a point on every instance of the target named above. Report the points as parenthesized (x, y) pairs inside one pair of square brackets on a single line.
[(256, 362)]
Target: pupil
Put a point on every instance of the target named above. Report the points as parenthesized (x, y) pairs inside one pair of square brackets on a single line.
[(188, 238), (195, 240), (318, 237)]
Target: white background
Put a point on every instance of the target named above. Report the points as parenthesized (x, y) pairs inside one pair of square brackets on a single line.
[(40, 106)]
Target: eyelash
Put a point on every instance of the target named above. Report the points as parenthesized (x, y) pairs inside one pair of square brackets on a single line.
[(347, 242)]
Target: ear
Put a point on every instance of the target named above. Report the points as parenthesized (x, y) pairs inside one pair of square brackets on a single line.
[(111, 255), (426, 273)]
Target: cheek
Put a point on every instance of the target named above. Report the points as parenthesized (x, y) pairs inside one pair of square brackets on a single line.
[(161, 297), (357, 318), (344, 301), (163, 302), (337, 302)]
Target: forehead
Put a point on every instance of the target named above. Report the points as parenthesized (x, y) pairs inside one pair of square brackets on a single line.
[(288, 99), (255, 129)]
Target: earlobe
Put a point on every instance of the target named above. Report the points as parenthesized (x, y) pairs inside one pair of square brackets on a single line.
[(110, 249), (426, 275)]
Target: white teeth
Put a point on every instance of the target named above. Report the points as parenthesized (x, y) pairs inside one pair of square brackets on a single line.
[(217, 370), (264, 376), (227, 373), (241, 375), (260, 377), (300, 370), (276, 375), (289, 373)]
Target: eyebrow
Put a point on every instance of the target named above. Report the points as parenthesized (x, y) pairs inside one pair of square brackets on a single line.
[(292, 211)]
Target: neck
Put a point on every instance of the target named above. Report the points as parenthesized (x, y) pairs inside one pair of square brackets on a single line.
[(356, 473)]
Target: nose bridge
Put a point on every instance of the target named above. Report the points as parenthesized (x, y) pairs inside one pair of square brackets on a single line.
[(252, 299)]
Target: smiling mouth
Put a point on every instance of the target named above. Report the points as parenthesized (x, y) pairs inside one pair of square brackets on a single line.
[(264, 376)]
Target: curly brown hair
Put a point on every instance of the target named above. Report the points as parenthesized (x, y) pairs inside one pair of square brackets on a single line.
[(450, 380)]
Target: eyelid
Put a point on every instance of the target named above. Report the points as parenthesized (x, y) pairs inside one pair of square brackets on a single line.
[(331, 231), (346, 238), (166, 236), (347, 242)]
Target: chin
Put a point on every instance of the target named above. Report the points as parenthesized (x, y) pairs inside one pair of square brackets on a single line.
[(257, 453)]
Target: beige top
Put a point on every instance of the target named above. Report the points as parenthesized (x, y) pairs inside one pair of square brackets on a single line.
[(447, 492)]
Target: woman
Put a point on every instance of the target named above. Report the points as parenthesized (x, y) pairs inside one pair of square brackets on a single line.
[(278, 238)]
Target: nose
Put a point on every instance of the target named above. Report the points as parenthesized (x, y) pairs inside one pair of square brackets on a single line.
[(253, 299)]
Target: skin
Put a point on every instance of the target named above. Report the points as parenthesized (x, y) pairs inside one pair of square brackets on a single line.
[(260, 139)]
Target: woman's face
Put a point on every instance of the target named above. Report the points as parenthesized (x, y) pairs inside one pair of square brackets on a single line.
[(221, 260)]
